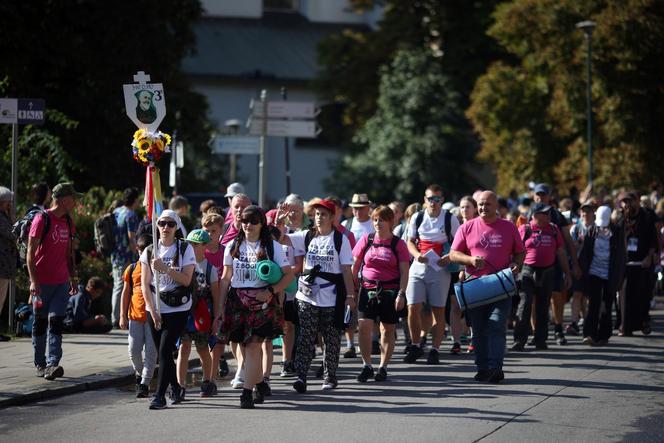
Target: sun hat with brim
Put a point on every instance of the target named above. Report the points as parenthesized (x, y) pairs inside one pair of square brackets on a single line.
[(65, 190), (587, 205), (199, 236), (234, 188), (6, 194), (359, 201), (540, 208), (327, 204), (603, 216)]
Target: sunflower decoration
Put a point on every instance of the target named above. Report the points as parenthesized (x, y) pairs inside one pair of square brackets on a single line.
[(148, 147)]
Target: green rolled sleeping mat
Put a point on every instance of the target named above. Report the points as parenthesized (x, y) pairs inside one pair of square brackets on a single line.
[(271, 273)]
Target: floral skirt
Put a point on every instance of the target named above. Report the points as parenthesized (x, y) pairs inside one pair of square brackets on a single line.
[(241, 323)]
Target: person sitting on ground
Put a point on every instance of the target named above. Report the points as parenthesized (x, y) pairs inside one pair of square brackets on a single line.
[(79, 317)]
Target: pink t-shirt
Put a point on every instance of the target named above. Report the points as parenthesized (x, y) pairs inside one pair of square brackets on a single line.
[(542, 244), (496, 242), (379, 261), (216, 259), (230, 234), (51, 255)]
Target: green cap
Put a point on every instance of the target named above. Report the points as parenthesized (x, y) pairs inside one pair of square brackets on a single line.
[(65, 190), (199, 236)]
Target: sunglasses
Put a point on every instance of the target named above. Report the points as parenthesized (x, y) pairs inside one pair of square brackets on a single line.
[(435, 199), (250, 221), (164, 223)]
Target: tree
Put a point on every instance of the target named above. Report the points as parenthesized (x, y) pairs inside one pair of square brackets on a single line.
[(530, 111), (413, 139), (77, 54)]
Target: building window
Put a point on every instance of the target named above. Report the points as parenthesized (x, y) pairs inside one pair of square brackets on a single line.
[(281, 5)]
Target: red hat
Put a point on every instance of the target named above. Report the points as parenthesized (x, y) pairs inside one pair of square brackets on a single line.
[(271, 216), (327, 204), (202, 317)]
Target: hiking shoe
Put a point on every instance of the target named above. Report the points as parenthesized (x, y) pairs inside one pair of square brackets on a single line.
[(366, 374), (482, 375), (375, 348), (246, 400), (53, 372), (237, 383), (381, 375), (287, 369), (264, 387), (177, 394), (413, 354), (223, 367), (646, 330), (142, 391), (206, 389), (158, 403), (329, 383), (588, 341), (407, 347), (300, 386), (572, 329), (560, 338), (40, 371), (456, 348), (320, 371), (496, 376), (258, 396), (541, 346), (350, 352), (518, 346), (471, 349), (433, 358)]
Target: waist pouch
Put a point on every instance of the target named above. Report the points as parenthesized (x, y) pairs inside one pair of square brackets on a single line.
[(372, 293), (310, 290), (176, 297), (248, 298)]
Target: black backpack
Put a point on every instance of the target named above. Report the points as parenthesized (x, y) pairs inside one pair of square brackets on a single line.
[(338, 239), (529, 231), (370, 243), (104, 230), (21, 231)]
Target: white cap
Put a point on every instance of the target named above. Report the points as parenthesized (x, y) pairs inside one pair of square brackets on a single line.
[(448, 206), (234, 188), (603, 216)]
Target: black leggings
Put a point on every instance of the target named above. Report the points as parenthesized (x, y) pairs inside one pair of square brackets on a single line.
[(172, 325)]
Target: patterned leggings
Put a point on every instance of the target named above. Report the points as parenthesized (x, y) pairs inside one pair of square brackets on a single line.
[(314, 320)]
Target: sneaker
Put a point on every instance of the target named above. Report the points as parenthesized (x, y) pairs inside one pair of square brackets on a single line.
[(482, 375), (414, 353), (329, 383), (40, 371), (350, 352), (213, 388), (265, 388), (288, 369), (518, 346), (588, 341), (142, 391), (433, 358), (53, 372), (471, 349), (646, 330), (158, 403), (541, 346), (532, 342), (456, 348), (177, 394), (223, 367), (258, 396), (496, 376), (206, 389), (407, 347), (381, 375), (572, 329), (560, 338), (237, 383), (366, 374), (246, 400), (300, 386), (320, 371), (375, 348)]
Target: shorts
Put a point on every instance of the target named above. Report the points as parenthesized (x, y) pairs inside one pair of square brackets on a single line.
[(381, 307), (201, 339), (558, 278), (290, 311), (427, 285)]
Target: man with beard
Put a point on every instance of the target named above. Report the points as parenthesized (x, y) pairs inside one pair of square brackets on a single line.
[(145, 110)]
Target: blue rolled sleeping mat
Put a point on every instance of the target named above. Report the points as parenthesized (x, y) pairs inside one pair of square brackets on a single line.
[(480, 291)]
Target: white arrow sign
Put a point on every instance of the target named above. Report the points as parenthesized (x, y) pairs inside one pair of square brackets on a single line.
[(145, 103), (285, 128), (284, 109), (236, 145)]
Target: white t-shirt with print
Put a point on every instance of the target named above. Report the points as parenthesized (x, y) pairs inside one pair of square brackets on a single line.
[(201, 269), (433, 229), (290, 255), (166, 283), (360, 229), (244, 267), (322, 252)]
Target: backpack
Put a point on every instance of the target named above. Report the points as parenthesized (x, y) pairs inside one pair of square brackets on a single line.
[(370, 243), (338, 240), (104, 231), (419, 218), (24, 318), (21, 231), (529, 232)]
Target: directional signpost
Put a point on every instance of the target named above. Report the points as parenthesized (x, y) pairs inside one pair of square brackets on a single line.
[(21, 111), (236, 144)]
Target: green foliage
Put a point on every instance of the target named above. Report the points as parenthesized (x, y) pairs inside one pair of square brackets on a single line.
[(531, 112), (413, 139)]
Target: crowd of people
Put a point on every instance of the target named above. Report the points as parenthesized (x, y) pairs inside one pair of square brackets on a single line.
[(315, 273)]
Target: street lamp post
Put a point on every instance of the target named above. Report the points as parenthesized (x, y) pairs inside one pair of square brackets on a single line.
[(587, 27)]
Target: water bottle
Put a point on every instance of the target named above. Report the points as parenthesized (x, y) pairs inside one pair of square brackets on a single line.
[(37, 302)]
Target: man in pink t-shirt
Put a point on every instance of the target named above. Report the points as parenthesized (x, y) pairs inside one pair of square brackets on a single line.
[(50, 261), (486, 245), (238, 203), (543, 241)]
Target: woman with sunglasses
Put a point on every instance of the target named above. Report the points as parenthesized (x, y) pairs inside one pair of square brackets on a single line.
[(175, 262), (252, 308)]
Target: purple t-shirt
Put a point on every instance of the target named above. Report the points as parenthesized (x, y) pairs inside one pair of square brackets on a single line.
[(542, 244), (379, 261)]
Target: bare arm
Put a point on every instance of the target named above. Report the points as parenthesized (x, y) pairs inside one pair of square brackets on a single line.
[(33, 243), (146, 279), (350, 286), (124, 304)]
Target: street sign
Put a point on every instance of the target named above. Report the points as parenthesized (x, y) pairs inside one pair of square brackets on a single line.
[(236, 145), (145, 102), (30, 111), (8, 111), (285, 109), (285, 128)]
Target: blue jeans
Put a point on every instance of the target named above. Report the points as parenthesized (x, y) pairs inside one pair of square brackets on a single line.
[(118, 284), (489, 323), (51, 315)]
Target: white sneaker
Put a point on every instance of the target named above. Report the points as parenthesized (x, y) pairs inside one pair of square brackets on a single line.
[(237, 383)]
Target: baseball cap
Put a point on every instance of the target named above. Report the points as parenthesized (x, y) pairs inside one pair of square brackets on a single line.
[(539, 208), (234, 188), (603, 216), (541, 188), (327, 204), (199, 236), (65, 190)]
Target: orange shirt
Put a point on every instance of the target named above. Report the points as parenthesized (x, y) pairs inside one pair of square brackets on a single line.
[(137, 302)]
